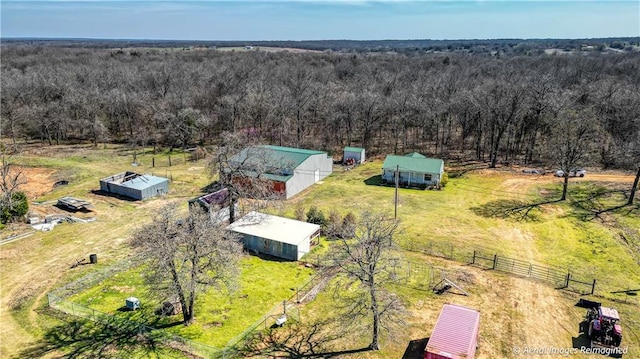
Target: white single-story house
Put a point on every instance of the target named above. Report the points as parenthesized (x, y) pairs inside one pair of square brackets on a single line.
[(415, 170), (276, 236), (355, 153), (290, 170)]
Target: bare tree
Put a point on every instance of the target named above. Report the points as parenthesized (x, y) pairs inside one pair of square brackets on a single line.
[(246, 170), (365, 263), (10, 181), (188, 256), (569, 142)]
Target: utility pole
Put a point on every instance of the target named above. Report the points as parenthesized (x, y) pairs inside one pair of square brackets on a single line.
[(397, 175)]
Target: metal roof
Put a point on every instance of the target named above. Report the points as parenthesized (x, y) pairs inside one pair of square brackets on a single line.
[(143, 181), (353, 149), (413, 162), (275, 228), (456, 332), (609, 313), (276, 162)]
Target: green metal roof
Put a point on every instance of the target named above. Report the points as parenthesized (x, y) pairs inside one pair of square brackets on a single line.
[(353, 149), (276, 162), (413, 162), (415, 155)]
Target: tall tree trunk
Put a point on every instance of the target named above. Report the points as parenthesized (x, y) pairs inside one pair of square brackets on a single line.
[(634, 188), (376, 318), (183, 300), (565, 184)]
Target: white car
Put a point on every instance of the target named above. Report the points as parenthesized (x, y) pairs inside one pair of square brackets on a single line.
[(573, 173)]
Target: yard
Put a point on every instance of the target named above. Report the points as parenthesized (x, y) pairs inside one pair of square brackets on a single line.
[(467, 214)]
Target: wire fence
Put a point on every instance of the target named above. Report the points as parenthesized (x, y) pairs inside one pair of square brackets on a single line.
[(59, 300), (581, 281)]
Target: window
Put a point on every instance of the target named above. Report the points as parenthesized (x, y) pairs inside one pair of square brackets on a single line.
[(427, 177)]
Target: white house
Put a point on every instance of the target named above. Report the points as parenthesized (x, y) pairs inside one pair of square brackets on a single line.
[(414, 170)]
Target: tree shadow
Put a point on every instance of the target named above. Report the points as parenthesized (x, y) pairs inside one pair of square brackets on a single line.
[(589, 201), (415, 349), (79, 338), (373, 180), (511, 209), (294, 340)]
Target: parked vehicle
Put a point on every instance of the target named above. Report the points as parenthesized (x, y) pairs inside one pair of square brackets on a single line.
[(603, 326), (572, 173)]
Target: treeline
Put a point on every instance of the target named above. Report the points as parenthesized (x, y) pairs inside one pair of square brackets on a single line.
[(446, 105), (411, 47)]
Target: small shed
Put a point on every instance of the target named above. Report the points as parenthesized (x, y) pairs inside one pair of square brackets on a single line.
[(353, 153), (455, 335), (277, 236), (134, 185), (132, 303), (216, 204)]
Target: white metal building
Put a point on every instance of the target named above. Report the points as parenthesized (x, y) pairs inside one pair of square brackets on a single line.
[(277, 236)]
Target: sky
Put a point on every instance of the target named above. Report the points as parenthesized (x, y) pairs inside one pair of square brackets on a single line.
[(319, 19)]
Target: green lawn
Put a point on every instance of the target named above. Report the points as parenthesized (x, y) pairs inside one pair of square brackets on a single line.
[(556, 237), (558, 234), (220, 317)]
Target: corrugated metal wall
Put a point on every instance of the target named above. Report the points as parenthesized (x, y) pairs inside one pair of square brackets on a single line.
[(267, 246), (315, 168), (149, 192)]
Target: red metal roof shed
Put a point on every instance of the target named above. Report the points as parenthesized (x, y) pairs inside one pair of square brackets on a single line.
[(455, 335)]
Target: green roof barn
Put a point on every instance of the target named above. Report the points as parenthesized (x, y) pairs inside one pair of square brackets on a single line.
[(291, 170)]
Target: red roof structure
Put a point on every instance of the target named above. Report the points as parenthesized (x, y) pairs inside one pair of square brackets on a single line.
[(455, 335)]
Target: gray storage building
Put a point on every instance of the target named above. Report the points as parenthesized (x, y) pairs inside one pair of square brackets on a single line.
[(134, 185), (277, 236)]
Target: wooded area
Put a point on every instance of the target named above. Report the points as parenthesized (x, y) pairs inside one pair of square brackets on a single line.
[(450, 105)]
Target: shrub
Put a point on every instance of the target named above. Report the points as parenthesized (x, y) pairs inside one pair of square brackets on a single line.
[(349, 225), (316, 216), (299, 213), (334, 225), (20, 207), (444, 179)]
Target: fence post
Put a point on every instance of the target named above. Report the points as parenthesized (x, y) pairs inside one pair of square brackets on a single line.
[(495, 260), (593, 286), (473, 261), (153, 161), (566, 284), (169, 161)]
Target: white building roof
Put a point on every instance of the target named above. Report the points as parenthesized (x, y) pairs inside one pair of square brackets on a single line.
[(275, 228)]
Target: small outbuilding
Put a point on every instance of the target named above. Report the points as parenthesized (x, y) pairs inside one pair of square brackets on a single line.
[(455, 335), (216, 204), (353, 154), (134, 185), (132, 303), (276, 236), (414, 170)]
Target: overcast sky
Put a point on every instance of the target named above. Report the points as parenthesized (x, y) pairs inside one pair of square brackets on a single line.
[(320, 19)]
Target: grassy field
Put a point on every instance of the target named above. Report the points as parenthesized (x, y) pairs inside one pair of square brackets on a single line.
[(468, 214), (220, 317)]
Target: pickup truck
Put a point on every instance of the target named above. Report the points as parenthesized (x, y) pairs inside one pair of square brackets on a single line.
[(572, 173)]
